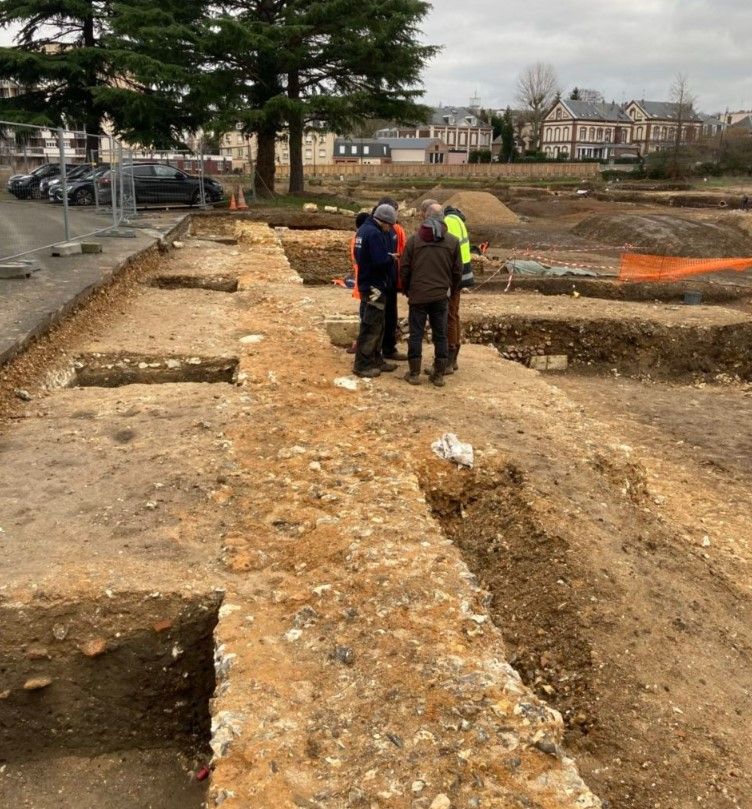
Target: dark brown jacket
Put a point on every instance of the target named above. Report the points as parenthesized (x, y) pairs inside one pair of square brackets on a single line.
[(430, 270)]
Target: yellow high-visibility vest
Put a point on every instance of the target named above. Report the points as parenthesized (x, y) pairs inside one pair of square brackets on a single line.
[(457, 228)]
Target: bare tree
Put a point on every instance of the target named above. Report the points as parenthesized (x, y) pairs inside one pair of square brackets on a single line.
[(537, 89), (683, 101)]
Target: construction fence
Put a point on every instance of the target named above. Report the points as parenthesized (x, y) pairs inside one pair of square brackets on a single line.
[(63, 185), (499, 171)]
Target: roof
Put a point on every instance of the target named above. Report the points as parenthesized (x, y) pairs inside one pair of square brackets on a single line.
[(744, 123), (665, 110), (438, 114), (408, 143), (358, 142), (588, 111)]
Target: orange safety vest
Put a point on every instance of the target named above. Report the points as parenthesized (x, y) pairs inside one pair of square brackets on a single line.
[(401, 242)]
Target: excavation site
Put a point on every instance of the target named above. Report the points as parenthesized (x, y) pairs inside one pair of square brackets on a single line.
[(235, 574)]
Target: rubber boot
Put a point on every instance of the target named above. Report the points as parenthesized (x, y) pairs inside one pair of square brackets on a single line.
[(437, 372), (387, 367), (396, 356), (449, 365), (413, 374)]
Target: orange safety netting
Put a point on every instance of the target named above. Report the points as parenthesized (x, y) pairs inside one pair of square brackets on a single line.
[(639, 267)]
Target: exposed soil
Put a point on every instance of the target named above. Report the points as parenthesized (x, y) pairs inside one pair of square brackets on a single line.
[(667, 235), (356, 656)]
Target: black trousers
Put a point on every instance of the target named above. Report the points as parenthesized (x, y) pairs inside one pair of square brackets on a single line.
[(368, 349), (436, 313), (389, 344)]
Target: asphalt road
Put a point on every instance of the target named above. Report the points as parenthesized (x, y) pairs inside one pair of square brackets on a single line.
[(31, 224)]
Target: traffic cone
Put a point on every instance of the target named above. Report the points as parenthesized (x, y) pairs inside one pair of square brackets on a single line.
[(233, 204), (242, 205)]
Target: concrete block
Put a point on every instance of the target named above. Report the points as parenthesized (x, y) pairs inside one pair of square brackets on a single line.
[(120, 233), (91, 247), (346, 212), (18, 269), (311, 207), (66, 249), (553, 362), (342, 330), (330, 208)]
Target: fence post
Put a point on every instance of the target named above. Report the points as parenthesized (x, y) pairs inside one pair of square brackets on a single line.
[(114, 184), (63, 183), (202, 193)]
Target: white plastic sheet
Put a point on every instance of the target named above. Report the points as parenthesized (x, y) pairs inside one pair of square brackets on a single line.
[(450, 448)]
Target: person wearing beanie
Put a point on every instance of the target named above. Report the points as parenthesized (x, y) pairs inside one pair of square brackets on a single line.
[(359, 220), (399, 239), (375, 259), (431, 272)]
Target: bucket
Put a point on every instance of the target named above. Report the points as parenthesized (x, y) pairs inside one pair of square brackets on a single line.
[(692, 298)]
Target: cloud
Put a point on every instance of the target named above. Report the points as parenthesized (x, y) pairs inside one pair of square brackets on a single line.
[(624, 48)]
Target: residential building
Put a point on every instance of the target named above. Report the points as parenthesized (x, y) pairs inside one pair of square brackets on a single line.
[(732, 118), (580, 130), (318, 147), (654, 125), (9, 88), (39, 146), (459, 128), (712, 125), (365, 151), (416, 150), (743, 125)]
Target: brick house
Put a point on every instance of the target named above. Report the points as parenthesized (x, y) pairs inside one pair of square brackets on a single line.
[(654, 125), (582, 129)]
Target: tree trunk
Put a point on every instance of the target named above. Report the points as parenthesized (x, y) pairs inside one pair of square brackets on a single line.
[(265, 167), (295, 128), (91, 115)]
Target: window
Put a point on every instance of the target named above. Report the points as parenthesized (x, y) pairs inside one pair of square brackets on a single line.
[(308, 140), (607, 134), (557, 133), (565, 133), (592, 133), (353, 150), (600, 134), (558, 114), (166, 172), (583, 133), (322, 152), (463, 138), (143, 171), (474, 139), (51, 144), (341, 149), (451, 138), (308, 154), (639, 133)]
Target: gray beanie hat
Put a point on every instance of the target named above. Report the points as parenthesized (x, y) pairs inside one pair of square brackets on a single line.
[(385, 213)]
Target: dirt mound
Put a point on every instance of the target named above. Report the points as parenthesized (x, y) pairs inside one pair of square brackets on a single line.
[(664, 234), (482, 208)]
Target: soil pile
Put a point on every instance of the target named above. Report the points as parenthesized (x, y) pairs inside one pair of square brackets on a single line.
[(482, 208), (664, 234)]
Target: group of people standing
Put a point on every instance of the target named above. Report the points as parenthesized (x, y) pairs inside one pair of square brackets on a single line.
[(430, 267)]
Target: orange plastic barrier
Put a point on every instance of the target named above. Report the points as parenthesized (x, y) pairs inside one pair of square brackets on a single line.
[(639, 267)]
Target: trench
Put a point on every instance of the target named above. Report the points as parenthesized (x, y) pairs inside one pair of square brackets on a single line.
[(629, 347), (216, 283), (116, 370), (105, 702)]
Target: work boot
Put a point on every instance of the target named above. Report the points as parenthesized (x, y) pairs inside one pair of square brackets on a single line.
[(438, 371), (387, 367), (413, 374), (396, 355), (368, 373), (449, 366)]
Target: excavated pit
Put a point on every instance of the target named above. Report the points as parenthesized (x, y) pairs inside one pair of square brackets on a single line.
[(116, 370), (216, 283), (629, 347), (106, 700)]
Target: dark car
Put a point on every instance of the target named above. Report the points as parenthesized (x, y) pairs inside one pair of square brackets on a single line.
[(26, 186), (81, 191), (80, 170), (160, 183)]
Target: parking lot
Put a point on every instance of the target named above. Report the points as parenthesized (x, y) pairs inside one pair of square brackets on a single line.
[(32, 224)]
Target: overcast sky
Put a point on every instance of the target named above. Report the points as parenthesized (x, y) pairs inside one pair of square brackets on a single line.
[(624, 48)]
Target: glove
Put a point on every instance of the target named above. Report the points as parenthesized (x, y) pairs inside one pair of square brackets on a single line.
[(374, 295)]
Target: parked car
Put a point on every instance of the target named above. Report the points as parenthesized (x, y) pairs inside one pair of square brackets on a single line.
[(160, 183), (81, 190), (26, 186), (80, 170)]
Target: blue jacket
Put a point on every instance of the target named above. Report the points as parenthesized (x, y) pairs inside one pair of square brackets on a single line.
[(375, 265)]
